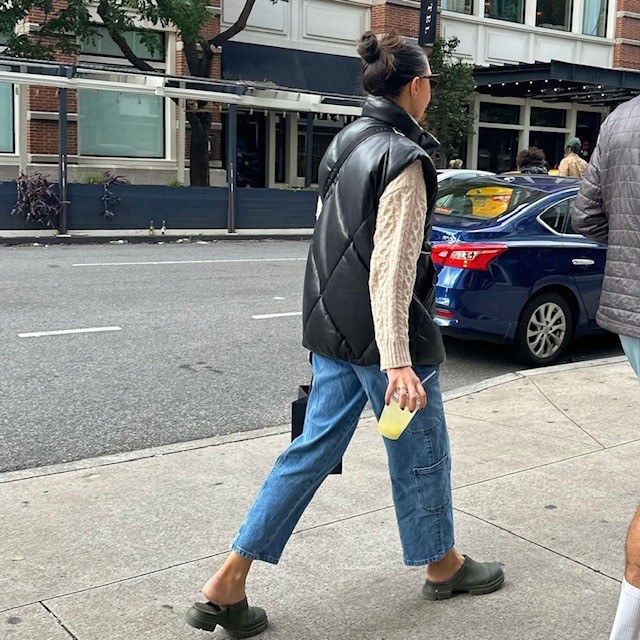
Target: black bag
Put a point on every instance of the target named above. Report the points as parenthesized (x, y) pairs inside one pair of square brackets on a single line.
[(298, 412)]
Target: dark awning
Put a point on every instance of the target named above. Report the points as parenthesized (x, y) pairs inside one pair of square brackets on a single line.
[(557, 81), (304, 70)]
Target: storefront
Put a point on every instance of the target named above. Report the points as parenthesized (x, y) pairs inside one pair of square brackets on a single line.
[(541, 105)]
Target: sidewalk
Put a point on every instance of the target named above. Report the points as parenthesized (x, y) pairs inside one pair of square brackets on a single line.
[(545, 477)]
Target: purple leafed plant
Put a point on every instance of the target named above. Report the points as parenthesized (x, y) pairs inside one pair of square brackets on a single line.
[(38, 200), (109, 199)]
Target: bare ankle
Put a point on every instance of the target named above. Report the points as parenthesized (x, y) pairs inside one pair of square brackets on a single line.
[(443, 570)]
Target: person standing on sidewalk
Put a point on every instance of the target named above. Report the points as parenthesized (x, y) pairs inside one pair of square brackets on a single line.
[(573, 165), (367, 319), (607, 210)]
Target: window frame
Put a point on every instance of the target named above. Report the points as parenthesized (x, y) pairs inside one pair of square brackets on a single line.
[(165, 142), (523, 13), (120, 56), (14, 121), (469, 3), (569, 7), (562, 234)]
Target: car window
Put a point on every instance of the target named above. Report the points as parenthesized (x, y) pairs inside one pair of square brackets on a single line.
[(483, 199), (558, 217)]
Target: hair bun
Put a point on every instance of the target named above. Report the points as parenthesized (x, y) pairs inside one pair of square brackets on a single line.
[(369, 48)]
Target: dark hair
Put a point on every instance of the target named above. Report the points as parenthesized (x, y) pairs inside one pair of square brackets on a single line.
[(389, 63), (532, 157)]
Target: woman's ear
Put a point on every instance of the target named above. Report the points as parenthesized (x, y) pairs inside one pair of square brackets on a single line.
[(415, 87)]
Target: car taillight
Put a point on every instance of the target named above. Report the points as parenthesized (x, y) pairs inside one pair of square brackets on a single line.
[(445, 314), (476, 255)]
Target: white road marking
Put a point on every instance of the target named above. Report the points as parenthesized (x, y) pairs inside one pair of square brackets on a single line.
[(268, 316), (278, 298), (64, 332), (130, 264)]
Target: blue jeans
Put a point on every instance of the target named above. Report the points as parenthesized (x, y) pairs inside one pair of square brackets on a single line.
[(631, 348), (419, 464)]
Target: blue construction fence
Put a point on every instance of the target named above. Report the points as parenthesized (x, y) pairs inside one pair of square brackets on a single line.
[(135, 206)]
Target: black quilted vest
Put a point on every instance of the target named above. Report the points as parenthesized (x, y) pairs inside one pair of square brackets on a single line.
[(337, 318)]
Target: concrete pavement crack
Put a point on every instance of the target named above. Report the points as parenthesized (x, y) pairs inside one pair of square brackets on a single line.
[(57, 619), (537, 544), (557, 408), (514, 428), (145, 574)]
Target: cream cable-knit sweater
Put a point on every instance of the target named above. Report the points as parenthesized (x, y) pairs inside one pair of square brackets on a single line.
[(397, 244)]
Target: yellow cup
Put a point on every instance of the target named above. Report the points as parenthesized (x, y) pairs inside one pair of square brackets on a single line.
[(394, 420)]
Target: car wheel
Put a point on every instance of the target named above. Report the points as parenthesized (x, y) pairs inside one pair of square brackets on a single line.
[(545, 330)]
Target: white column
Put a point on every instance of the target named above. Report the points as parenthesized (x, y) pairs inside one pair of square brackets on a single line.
[(530, 9), (525, 121), (578, 16), (291, 164), (181, 134), (572, 120), (271, 149), (21, 92), (478, 8), (612, 17), (473, 142)]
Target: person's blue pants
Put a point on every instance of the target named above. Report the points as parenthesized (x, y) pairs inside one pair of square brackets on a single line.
[(419, 464), (631, 348)]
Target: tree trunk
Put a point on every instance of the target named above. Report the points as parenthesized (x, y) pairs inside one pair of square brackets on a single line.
[(199, 148)]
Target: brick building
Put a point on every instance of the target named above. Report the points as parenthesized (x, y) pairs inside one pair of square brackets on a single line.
[(309, 46)]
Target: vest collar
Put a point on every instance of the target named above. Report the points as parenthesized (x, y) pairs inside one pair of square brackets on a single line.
[(390, 113)]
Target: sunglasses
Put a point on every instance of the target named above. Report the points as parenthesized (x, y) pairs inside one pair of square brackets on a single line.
[(433, 80)]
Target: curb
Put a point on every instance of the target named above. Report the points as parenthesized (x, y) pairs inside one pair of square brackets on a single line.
[(140, 237), (266, 432)]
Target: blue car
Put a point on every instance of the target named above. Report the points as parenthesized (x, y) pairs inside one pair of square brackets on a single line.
[(511, 269)]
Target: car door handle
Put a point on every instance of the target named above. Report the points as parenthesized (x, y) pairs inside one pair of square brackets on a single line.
[(583, 262)]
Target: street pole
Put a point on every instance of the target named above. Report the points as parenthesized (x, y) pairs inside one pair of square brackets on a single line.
[(308, 170), (232, 158), (63, 111)]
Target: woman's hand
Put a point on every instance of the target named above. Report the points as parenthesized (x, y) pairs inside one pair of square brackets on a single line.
[(406, 384)]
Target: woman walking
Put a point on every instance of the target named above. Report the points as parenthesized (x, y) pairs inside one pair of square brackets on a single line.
[(368, 299)]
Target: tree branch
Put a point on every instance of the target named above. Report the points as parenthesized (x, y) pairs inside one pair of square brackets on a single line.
[(119, 39), (234, 29), (191, 55)]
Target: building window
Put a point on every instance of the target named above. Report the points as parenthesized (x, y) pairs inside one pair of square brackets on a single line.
[(497, 149), (595, 18), (6, 118), (552, 143), (556, 118), (499, 113), (511, 10), (459, 6), (126, 125), (587, 129), (147, 45), (554, 14), (323, 133)]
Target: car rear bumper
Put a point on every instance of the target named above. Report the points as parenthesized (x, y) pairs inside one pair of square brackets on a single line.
[(478, 308)]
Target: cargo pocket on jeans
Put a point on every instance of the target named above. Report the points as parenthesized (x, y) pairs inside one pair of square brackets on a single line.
[(434, 486)]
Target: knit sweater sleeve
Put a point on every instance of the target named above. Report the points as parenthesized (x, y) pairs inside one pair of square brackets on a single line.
[(397, 244)]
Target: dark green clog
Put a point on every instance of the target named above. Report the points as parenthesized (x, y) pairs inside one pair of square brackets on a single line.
[(475, 578), (240, 620)]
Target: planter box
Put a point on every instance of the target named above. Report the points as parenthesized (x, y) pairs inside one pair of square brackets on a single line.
[(178, 207), (8, 195), (275, 209)]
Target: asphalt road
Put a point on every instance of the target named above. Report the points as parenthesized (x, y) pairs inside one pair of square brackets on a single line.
[(189, 360)]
